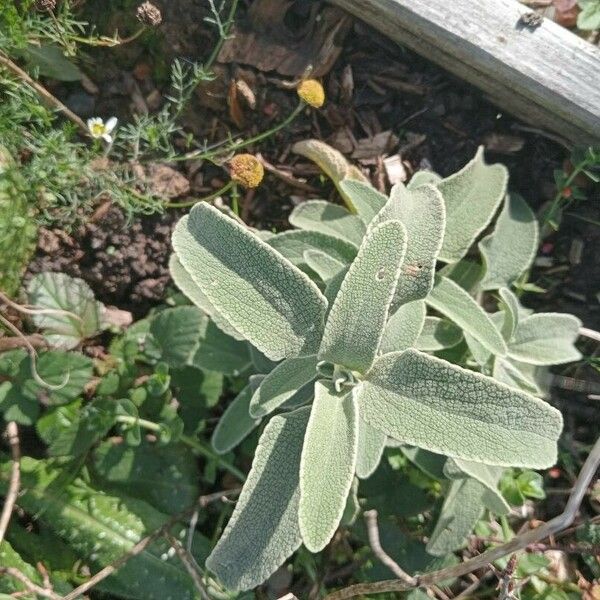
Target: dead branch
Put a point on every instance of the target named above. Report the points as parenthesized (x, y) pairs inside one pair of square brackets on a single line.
[(190, 565), (12, 435), (32, 587), (562, 521)]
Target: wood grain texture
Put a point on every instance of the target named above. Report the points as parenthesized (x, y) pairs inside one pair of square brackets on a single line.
[(546, 76)]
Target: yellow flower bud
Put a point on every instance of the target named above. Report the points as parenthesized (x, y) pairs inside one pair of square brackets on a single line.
[(311, 92), (246, 170)]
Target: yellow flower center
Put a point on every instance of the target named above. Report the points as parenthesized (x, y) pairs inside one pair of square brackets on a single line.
[(246, 170), (311, 92), (98, 129)]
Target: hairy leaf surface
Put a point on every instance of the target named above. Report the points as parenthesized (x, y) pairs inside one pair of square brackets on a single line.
[(403, 328), (438, 334), (365, 199), (324, 265), (371, 444)]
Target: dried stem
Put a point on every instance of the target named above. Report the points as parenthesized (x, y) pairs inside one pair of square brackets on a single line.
[(32, 587), (562, 521), (190, 565), (12, 435)]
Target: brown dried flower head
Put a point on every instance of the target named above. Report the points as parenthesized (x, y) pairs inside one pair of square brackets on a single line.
[(148, 14), (246, 170), (311, 91), (45, 5)]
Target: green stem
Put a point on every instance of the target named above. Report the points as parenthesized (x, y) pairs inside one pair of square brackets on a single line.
[(209, 198), (143, 423), (507, 532), (223, 35), (548, 218)]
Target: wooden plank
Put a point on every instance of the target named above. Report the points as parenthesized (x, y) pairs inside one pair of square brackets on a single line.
[(546, 76)]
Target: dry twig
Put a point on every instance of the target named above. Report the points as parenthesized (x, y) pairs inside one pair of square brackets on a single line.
[(32, 587), (190, 565), (12, 435)]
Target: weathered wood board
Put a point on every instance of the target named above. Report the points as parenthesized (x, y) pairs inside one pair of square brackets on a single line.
[(546, 75)]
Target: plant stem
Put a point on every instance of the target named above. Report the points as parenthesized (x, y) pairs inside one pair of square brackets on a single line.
[(209, 198), (548, 217), (223, 34)]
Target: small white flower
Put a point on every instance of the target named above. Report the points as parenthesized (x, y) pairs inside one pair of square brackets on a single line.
[(99, 129)]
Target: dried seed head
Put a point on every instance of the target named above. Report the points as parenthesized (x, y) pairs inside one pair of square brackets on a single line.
[(148, 14), (311, 92), (45, 5), (246, 170)]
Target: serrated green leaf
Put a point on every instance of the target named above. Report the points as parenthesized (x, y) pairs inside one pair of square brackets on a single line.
[(177, 332), (186, 284), (282, 383), (452, 301), (487, 475), (323, 265), (58, 291), (365, 199), (471, 196), (460, 512), (328, 218), (263, 530), (422, 213), (163, 476), (371, 444), (423, 178), (546, 339), (412, 397), (357, 318), (294, 244), (328, 464), (403, 328), (510, 305), (438, 334), (236, 422), (509, 251), (265, 298)]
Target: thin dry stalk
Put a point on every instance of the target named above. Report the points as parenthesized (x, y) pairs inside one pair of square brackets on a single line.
[(32, 587), (12, 436)]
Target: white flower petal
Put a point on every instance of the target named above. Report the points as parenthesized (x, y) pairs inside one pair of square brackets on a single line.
[(111, 124), (107, 138)]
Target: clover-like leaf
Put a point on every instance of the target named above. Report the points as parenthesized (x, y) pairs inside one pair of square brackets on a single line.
[(328, 218), (403, 328), (371, 444), (282, 383), (471, 196), (432, 404), (328, 464), (546, 339), (266, 299), (236, 422), (452, 301), (438, 334), (357, 318), (263, 530), (509, 251), (364, 198)]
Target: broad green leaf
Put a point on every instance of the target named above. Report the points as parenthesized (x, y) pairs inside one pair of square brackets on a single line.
[(186, 284), (430, 403), (546, 339), (509, 251), (452, 301), (511, 313), (462, 508), (423, 178), (364, 198), (293, 245), (163, 476), (282, 383), (327, 465), (59, 292), (403, 328), (471, 196), (371, 444), (263, 530), (236, 422), (357, 318), (324, 265), (275, 306), (422, 212), (487, 475), (50, 61), (328, 218), (177, 332), (438, 334), (102, 528)]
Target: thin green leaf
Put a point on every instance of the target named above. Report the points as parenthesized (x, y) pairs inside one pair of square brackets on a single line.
[(511, 313), (357, 318), (328, 464), (265, 298), (263, 530), (430, 403), (403, 328)]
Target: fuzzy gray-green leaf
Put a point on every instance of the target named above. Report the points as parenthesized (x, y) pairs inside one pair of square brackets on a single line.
[(328, 218), (282, 383), (451, 300), (471, 196), (511, 313), (324, 265), (422, 178), (371, 444), (432, 404), (263, 530), (328, 464), (265, 298), (438, 334), (365, 199), (510, 249), (357, 318), (403, 328)]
